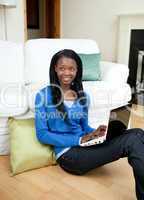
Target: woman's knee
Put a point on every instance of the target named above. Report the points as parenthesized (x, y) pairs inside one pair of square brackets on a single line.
[(136, 137), (139, 132), (136, 131), (133, 138)]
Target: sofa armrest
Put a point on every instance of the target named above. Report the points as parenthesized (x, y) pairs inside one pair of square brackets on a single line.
[(114, 72)]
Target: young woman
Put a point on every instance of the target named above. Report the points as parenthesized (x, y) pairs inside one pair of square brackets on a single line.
[(61, 120)]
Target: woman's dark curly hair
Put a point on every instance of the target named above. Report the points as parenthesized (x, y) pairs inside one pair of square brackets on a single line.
[(57, 97)]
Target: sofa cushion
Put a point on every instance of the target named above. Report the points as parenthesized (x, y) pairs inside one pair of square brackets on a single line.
[(91, 67), (13, 100), (107, 95), (26, 151), (32, 90)]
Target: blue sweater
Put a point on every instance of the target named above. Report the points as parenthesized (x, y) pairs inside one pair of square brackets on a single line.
[(52, 129)]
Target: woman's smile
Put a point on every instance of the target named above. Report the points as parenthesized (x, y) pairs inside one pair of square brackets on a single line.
[(66, 78)]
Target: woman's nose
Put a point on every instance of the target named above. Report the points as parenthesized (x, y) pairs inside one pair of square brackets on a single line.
[(67, 72)]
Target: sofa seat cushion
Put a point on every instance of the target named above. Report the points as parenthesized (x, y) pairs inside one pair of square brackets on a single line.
[(13, 100), (32, 90), (28, 115), (102, 94), (107, 95)]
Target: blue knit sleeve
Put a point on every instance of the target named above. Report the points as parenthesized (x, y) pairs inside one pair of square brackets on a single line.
[(43, 133)]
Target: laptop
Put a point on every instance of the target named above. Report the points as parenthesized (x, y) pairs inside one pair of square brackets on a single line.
[(121, 114)]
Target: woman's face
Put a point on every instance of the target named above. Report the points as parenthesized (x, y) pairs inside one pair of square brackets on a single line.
[(66, 69)]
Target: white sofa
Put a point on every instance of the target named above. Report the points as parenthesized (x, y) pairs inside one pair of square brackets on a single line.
[(25, 69)]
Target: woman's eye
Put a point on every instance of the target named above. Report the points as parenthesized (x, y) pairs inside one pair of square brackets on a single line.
[(62, 68), (72, 69)]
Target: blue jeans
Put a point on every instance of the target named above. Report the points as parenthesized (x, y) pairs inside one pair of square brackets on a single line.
[(79, 160)]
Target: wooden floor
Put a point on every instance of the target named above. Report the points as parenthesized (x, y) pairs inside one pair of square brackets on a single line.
[(110, 182)]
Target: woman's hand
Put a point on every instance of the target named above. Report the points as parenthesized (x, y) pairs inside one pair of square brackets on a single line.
[(99, 132)]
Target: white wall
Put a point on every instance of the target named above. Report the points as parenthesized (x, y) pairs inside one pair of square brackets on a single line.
[(98, 20), (15, 23)]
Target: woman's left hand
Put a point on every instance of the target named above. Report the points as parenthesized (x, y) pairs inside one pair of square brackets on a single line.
[(100, 131)]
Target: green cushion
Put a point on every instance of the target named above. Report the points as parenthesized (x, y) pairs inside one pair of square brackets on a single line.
[(91, 67), (26, 152)]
